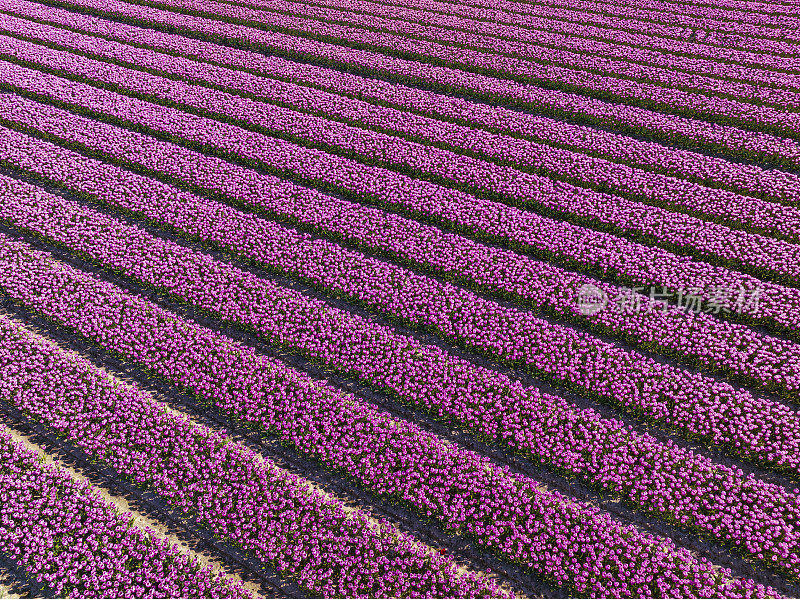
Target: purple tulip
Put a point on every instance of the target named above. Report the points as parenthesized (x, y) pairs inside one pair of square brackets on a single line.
[(239, 496), (744, 178), (66, 535), (668, 126), (564, 540)]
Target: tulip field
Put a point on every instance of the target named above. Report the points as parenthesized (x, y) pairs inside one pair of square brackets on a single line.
[(414, 299)]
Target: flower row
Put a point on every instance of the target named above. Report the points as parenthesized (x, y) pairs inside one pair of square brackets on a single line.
[(716, 242), (717, 411), (723, 13), (594, 111), (781, 91), (686, 332), (65, 535), (486, 219), (685, 164), (542, 72), (782, 7), (579, 38), (664, 480), (583, 58), (548, 16), (230, 490), (757, 6), (711, 30), (568, 542), (648, 33), (640, 121)]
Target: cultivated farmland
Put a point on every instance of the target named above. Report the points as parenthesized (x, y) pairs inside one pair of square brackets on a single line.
[(419, 299)]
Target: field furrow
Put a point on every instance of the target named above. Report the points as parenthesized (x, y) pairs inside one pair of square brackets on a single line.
[(223, 485), (78, 544), (383, 299), (403, 104), (151, 261)]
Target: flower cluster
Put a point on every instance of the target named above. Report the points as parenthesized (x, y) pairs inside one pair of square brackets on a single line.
[(67, 536), (717, 25), (621, 35), (233, 492), (376, 97), (565, 540), (445, 78)]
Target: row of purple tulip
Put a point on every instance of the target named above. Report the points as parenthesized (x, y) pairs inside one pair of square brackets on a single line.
[(717, 242), (770, 8), (779, 94), (780, 7), (750, 180), (666, 97), (690, 56), (672, 483), (233, 492), (686, 333), (528, 232), (578, 38), (643, 16), (691, 132), (715, 410), (758, 6), (767, 18), (647, 33), (65, 535), (765, 14), (571, 543), (659, 11), (761, 255)]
